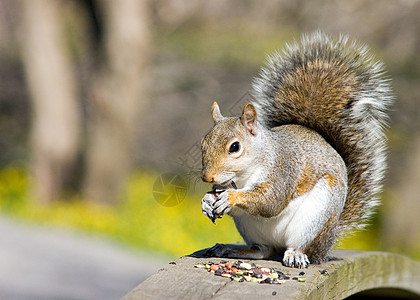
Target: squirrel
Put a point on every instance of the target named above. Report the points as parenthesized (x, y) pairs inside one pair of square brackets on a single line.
[(305, 161)]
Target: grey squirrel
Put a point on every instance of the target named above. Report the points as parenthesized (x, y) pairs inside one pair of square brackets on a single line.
[(304, 162)]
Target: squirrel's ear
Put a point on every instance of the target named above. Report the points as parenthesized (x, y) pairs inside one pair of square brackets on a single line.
[(215, 113), (249, 118)]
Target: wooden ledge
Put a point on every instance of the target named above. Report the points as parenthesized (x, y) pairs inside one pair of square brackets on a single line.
[(348, 273)]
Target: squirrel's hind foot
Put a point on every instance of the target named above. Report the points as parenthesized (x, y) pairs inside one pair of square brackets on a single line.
[(295, 259), (230, 251), (219, 250)]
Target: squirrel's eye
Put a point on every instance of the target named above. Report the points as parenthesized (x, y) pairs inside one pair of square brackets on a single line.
[(234, 147)]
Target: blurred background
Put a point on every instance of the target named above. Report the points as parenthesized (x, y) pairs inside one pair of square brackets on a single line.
[(103, 105)]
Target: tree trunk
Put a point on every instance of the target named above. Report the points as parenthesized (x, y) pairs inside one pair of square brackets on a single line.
[(51, 81), (117, 97)]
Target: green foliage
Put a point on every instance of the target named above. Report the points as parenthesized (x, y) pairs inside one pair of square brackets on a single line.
[(13, 186)]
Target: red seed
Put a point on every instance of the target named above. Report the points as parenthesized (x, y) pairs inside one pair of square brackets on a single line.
[(214, 267), (229, 264), (234, 270)]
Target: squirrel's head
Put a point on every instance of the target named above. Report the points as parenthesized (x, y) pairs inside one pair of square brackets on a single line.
[(227, 150)]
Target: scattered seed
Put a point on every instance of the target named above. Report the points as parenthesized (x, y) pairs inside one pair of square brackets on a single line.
[(214, 267), (274, 293), (172, 263), (324, 272), (266, 280), (241, 271), (200, 266), (245, 266)]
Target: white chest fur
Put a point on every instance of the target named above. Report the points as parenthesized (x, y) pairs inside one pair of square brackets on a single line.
[(295, 226)]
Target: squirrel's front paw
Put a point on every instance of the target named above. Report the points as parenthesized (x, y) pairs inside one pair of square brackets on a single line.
[(207, 204), (214, 205), (221, 206)]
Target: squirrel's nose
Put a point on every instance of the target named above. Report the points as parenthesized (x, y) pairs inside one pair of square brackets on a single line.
[(207, 177)]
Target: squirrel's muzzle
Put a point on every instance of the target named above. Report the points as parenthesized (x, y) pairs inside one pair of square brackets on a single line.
[(207, 177)]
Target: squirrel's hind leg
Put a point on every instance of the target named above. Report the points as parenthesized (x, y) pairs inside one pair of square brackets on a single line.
[(317, 249), (230, 251), (311, 223)]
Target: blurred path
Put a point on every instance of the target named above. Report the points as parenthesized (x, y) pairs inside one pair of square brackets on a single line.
[(39, 262)]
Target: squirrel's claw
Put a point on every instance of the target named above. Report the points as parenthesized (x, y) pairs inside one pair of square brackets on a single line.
[(221, 205), (219, 250), (207, 204), (293, 258), (210, 216)]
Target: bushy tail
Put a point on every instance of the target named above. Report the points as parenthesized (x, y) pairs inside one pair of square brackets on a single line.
[(336, 88)]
